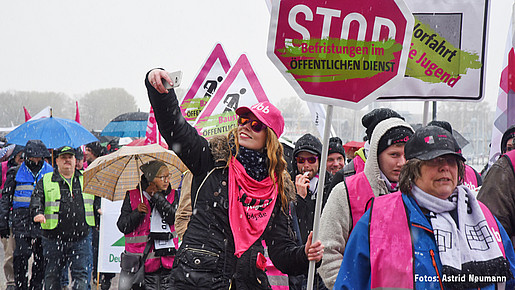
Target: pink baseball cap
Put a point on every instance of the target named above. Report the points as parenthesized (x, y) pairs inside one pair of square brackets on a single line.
[(268, 114)]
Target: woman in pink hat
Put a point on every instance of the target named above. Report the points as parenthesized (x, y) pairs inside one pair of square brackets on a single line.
[(240, 194)]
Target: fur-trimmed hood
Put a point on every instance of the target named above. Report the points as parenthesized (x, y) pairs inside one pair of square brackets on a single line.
[(221, 151)]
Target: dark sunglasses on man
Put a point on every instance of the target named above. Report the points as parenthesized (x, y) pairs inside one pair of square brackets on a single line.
[(310, 160)]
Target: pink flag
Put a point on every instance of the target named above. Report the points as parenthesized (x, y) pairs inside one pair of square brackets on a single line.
[(77, 115), (505, 112), (152, 135), (27, 115)]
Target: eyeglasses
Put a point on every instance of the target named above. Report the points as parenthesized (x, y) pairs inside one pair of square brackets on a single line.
[(255, 125), (164, 178), (442, 160), (310, 160)]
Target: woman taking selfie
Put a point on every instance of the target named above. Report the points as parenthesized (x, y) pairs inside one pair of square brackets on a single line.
[(239, 197), (433, 235)]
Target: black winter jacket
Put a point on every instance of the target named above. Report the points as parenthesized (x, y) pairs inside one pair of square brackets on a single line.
[(206, 257), (72, 224)]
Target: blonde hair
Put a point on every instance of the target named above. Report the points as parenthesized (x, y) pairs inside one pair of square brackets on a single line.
[(276, 163)]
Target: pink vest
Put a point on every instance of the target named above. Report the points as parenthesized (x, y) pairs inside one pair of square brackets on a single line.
[(276, 278), (4, 175), (359, 193), (391, 250), (359, 164), (470, 178), (136, 241)]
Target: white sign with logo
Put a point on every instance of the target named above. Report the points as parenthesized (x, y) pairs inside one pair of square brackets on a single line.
[(111, 241)]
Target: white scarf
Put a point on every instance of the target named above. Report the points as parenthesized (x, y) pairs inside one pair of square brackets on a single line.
[(470, 247), (472, 241), (159, 225)]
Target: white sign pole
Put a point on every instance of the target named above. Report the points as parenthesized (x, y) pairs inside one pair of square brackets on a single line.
[(320, 193)]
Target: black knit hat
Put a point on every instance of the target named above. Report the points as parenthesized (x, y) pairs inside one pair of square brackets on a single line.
[(96, 148), (308, 143), (36, 148), (336, 146), (79, 154), (372, 118), (395, 135), (508, 134), (430, 142)]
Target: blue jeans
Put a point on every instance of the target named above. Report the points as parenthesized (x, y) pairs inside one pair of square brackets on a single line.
[(57, 252), (64, 275)]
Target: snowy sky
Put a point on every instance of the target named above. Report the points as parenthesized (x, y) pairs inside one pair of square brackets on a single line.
[(78, 46)]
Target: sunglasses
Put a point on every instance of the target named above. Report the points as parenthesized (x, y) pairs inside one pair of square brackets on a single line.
[(310, 160), (255, 125), (442, 160)]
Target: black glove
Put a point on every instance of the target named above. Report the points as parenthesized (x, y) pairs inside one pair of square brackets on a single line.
[(4, 233)]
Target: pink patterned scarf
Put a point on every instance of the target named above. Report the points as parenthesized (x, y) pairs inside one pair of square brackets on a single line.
[(250, 206)]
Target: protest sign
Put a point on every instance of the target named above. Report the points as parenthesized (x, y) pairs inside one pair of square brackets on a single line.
[(205, 84), (111, 241), (241, 87), (339, 52), (446, 60)]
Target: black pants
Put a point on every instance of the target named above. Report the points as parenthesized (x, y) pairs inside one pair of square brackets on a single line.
[(25, 247)]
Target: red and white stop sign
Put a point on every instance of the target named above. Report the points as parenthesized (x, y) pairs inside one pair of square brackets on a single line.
[(340, 52)]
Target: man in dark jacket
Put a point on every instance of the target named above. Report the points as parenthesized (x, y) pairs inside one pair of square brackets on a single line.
[(498, 191), (14, 210), (306, 168), (66, 215), (15, 159)]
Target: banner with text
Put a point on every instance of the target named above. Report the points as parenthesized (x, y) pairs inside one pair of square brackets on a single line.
[(446, 60)]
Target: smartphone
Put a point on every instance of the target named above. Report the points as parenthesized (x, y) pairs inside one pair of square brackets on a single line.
[(176, 78)]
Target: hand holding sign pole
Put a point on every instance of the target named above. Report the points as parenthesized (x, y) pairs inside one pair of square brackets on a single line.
[(342, 53)]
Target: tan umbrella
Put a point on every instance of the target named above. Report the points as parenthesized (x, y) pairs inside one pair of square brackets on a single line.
[(110, 176)]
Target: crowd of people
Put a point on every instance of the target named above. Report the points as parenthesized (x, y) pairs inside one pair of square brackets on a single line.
[(405, 211)]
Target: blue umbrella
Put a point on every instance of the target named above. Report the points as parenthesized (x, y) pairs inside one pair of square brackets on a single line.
[(53, 132), (133, 124)]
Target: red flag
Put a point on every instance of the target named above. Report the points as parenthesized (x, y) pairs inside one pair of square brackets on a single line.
[(77, 115), (505, 112), (27, 115), (152, 135)]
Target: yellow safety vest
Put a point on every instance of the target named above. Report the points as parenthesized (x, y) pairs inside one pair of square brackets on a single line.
[(52, 202)]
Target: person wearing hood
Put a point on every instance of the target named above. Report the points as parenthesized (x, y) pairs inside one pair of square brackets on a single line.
[(17, 193), (349, 199), (15, 159), (433, 233), (357, 165), (150, 220), (240, 194)]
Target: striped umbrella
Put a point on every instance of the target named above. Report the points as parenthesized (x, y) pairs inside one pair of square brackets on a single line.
[(111, 176)]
